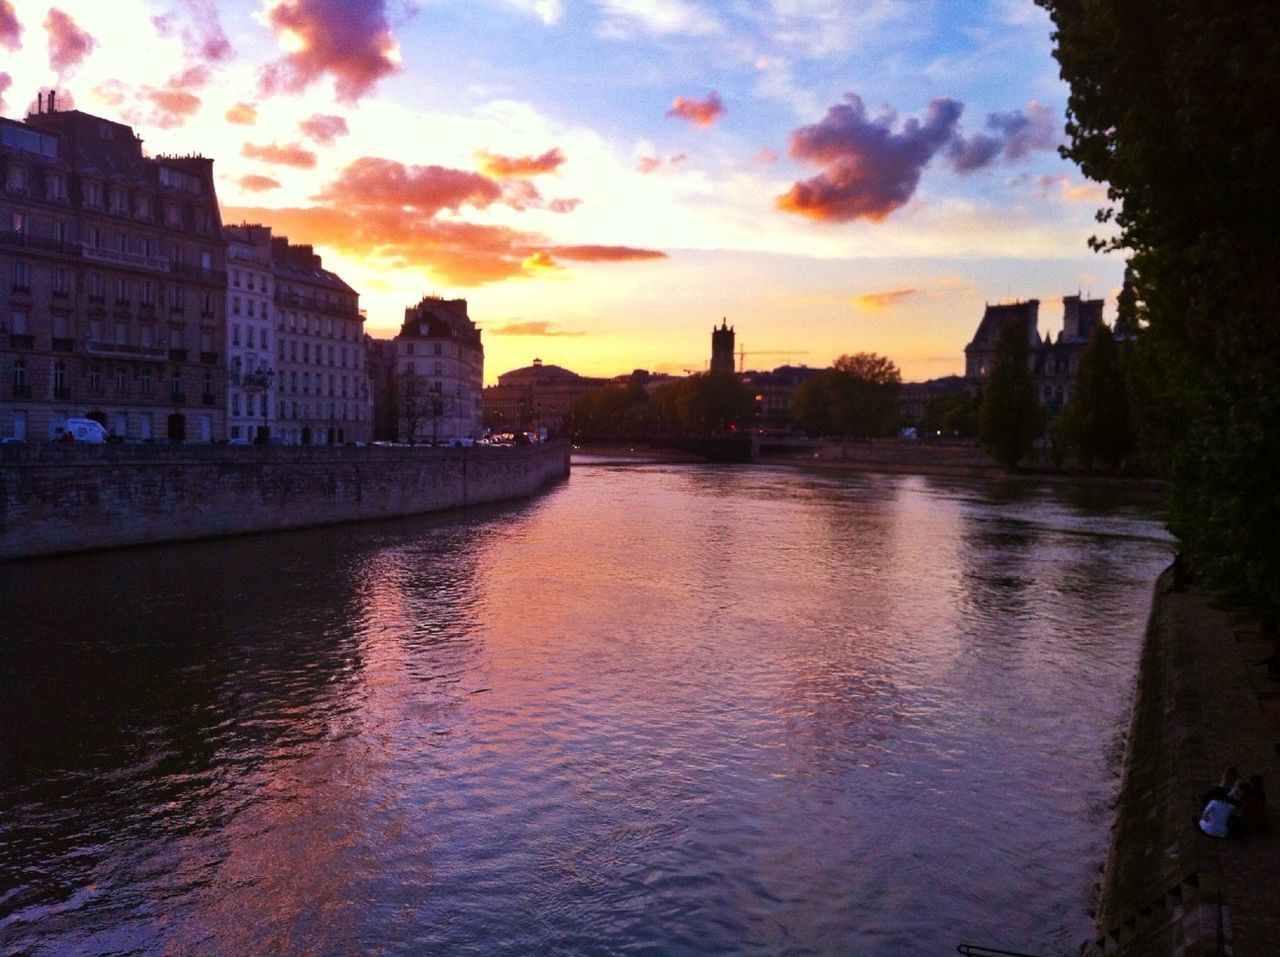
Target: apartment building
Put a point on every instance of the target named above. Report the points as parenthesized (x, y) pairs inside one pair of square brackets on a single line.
[(440, 373), (252, 403)]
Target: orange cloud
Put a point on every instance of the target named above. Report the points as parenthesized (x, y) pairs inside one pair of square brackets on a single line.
[(596, 254), (243, 114), (351, 42), (1094, 193), (564, 205), (501, 167), (68, 44), (324, 129), (254, 183), (170, 107), (291, 154), (700, 112), (371, 182), (529, 329), (10, 27), (880, 301), (540, 261)]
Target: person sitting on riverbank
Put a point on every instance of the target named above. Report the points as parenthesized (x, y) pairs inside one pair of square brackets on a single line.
[(1218, 819)]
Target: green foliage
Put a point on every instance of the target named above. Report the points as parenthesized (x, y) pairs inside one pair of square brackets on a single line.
[(1173, 105), (1009, 418), (699, 405), (953, 414), (856, 397), (1096, 424)]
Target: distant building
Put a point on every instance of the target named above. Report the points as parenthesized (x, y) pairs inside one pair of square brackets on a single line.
[(112, 282), (535, 396), (914, 397), (440, 373), (722, 348), (775, 391), (321, 380), (252, 402), (380, 354), (1053, 363)]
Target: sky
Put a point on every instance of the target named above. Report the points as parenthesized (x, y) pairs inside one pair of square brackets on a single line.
[(605, 181)]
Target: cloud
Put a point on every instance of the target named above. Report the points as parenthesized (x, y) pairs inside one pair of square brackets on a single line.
[(651, 164), (254, 183), (10, 27), (371, 182), (564, 205), (291, 154), (243, 114), (68, 44), (196, 23), (1010, 135), (623, 19), (869, 170), (6, 81), (765, 157), (351, 42), (170, 107), (596, 254), (499, 167), (1061, 185), (549, 12), (700, 112), (530, 329), (324, 129), (880, 301)]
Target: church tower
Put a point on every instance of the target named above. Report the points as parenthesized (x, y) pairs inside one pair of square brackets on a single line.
[(722, 348)]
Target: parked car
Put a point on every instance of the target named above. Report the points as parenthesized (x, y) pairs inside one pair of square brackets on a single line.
[(82, 430)]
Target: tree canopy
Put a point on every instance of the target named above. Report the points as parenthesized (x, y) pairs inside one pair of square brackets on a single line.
[(1096, 421), (1174, 106), (856, 397), (1009, 419)]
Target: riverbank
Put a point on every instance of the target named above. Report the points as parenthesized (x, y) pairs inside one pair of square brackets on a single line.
[(57, 498), (1203, 701)]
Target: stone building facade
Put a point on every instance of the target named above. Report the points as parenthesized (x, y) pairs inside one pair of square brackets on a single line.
[(112, 283), (321, 375), (534, 397), (251, 350), (439, 373)]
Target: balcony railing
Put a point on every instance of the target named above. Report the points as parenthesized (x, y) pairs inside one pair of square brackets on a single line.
[(177, 355), (135, 260), (123, 350), (62, 345)]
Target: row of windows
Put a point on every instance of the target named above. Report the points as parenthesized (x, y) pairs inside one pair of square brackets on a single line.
[(118, 200), (98, 378), (252, 280), (123, 290), (300, 350)]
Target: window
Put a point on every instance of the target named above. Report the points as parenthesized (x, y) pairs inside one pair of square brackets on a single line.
[(20, 223), (20, 387), (175, 385), (55, 187), (172, 214), (235, 305), (21, 276), (61, 286), (93, 194), (177, 299), (15, 180), (122, 333), (95, 379), (95, 330), (235, 334), (93, 237), (60, 390), (59, 232), (18, 319), (143, 204), (146, 335), (119, 201), (121, 382), (122, 290), (147, 293)]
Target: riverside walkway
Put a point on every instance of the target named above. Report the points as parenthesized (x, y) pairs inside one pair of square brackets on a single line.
[(1204, 701)]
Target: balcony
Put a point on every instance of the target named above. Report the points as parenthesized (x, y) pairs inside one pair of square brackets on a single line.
[(25, 241), (20, 341), (62, 345), (115, 257), (177, 355), (198, 272), (123, 350)]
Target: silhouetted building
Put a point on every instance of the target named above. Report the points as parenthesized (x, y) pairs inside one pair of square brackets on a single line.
[(1053, 363), (774, 392), (440, 373), (722, 348), (534, 396), (112, 282), (914, 397)]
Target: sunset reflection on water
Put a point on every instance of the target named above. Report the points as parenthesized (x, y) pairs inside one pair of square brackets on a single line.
[(674, 709)]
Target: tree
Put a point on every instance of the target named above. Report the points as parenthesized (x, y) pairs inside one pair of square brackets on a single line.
[(955, 413), (857, 397), (1009, 419), (1096, 423), (1173, 105)]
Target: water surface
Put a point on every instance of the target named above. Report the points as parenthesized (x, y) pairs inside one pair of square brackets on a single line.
[(660, 710)]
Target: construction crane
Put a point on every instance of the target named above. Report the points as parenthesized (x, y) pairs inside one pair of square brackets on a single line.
[(743, 353)]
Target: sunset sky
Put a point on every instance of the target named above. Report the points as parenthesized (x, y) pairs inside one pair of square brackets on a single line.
[(605, 180)]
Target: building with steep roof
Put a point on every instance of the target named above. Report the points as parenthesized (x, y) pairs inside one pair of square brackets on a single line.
[(439, 373), (112, 282)]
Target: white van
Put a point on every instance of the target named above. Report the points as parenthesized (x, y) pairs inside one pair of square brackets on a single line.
[(82, 430)]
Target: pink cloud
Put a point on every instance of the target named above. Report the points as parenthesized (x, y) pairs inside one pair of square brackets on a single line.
[(351, 42), (500, 167), (292, 154), (68, 44), (374, 182), (651, 164), (254, 183), (10, 27), (529, 328), (6, 81), (868, 169), (242, 114), (324, 129), (597, 254), (564, 205), (700, 112), (196, 23), (170, 107)]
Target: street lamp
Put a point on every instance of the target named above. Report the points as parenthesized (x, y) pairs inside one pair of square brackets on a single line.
[(261, 379)]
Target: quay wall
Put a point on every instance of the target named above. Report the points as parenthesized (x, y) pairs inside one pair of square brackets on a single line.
[(66, 498)]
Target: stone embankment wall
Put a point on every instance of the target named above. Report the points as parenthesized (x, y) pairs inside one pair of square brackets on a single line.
[(1204, 700), (63, 498)]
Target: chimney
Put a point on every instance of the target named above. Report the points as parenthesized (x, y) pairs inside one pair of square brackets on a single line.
[(40, 101), (52, 108)]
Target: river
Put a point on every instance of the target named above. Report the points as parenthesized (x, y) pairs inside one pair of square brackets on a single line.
[(657, 710)]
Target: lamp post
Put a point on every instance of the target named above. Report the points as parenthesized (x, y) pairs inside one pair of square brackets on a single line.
[(261, 379)]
